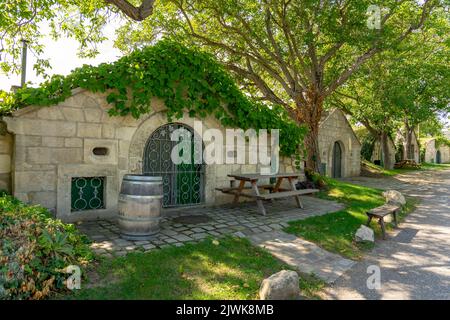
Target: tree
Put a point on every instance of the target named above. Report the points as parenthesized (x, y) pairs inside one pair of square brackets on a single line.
[(290, 53), (403, 86), (80, 19)]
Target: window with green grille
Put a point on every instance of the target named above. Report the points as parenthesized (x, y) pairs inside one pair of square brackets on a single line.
[(87, 193)]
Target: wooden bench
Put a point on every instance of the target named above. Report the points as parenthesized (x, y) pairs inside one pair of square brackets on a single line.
[(285, 194), (382, 211)]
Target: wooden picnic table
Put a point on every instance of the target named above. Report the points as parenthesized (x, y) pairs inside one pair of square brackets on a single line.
[(275, 190)]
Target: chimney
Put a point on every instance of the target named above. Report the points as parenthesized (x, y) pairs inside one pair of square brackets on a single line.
[(24, 63)]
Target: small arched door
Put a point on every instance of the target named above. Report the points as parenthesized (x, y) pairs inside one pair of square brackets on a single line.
[(183, 184), (438, 156), (337, 160)]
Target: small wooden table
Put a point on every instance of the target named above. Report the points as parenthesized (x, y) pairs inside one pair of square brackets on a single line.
[(275, 190)]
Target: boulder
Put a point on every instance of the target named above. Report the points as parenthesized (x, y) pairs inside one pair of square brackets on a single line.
[(394, 197), (283, 285), (364, 234)]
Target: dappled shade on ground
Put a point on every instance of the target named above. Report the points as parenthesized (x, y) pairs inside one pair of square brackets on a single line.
[(335, 231), (228, 268)]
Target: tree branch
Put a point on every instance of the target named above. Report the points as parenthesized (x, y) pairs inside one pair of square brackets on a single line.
[(343, 77), (136, 13)]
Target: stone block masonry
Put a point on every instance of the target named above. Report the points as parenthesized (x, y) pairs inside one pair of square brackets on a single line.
[(52, 145)]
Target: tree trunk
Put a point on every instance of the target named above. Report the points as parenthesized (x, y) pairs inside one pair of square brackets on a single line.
[(384, 141), (312, 147), (309, 113)]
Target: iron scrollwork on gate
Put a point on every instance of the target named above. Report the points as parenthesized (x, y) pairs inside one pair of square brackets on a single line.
[(87, 193), (183, 184)]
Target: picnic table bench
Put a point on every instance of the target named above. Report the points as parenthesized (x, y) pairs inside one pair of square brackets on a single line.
[(382, 211), (276, 191)]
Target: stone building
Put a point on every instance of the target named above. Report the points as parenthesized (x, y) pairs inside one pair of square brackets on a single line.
[(340, 149), (402, 152), (377, 153), (436, 154), (5, 159), (71, 157)]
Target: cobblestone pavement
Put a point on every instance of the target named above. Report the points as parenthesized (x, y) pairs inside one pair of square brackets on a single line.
[(415, 259), (243, 220)]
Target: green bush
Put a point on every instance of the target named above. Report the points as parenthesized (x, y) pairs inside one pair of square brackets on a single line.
[(315, 177), (34, 250)]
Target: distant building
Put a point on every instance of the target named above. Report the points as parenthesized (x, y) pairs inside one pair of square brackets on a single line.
[(377, 153), (436, 153), (340, 149), (414, 151)]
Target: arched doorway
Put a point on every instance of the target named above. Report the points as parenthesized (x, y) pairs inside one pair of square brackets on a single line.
[(337, 161), (438, 156), (400, 154), (183, 184)]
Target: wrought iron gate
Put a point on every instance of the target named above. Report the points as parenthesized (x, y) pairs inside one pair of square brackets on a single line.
[(183, 184)]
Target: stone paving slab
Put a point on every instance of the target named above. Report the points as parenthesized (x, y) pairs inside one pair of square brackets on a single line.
[(303, 255), (223, 220)]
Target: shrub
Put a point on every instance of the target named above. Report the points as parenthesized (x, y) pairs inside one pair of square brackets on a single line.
[(313, 180), (34, 250)]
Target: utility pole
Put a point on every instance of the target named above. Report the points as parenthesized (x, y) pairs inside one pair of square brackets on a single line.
[(24, 63)]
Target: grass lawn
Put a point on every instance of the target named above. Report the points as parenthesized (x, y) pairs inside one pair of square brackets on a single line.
[(335, 231), (228, 269)]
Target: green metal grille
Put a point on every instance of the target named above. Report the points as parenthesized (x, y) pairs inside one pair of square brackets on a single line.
[(183, 184), (87, 193)]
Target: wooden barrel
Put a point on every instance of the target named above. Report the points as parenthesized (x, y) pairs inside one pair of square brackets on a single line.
[(140, 201)]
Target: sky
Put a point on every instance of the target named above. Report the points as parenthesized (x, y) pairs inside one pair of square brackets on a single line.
[(63, 58)]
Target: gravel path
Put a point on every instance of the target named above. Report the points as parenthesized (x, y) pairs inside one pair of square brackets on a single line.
[(415, 259)]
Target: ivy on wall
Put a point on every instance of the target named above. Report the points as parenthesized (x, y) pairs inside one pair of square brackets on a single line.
[(186, 79), (442, 141)]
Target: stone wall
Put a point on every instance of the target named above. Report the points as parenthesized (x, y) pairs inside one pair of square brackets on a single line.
[(445, 153), (430, 151), (55, 144), (335, 128), (6, 142)]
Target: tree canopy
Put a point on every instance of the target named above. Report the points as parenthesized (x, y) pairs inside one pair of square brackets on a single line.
[(294, 54), (82, 20)]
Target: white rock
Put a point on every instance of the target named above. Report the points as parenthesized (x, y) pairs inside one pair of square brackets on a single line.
[(283, 285), (394, 197), (364, 234)]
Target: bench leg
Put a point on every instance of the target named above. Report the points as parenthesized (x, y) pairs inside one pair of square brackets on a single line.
[(277, 184), (383, 227), (395, 218), (259, 202), (297, 198), (239, 191)]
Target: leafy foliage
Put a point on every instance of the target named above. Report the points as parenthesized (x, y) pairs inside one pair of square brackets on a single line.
[(442, 141), (186, 79), (292, 53), (81, 20), (34, 248)]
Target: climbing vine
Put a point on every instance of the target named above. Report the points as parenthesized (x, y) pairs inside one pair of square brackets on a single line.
[(186, 79)]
